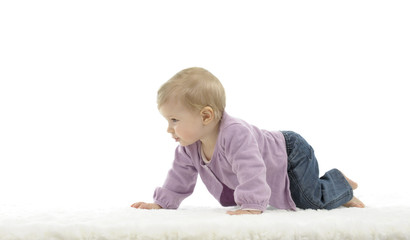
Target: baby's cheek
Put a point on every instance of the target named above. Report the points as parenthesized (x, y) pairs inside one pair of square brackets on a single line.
[(180, 132), (187, 134), (177, 130)]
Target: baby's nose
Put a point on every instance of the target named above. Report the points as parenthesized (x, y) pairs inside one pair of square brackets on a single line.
[(170, 129)]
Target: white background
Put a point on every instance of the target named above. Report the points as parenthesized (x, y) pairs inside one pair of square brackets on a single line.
[(78, 81)]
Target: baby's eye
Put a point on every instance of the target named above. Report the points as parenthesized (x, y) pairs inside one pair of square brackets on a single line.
[(174, 120)]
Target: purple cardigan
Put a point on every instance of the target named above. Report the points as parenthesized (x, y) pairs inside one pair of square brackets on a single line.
[(248, 168)]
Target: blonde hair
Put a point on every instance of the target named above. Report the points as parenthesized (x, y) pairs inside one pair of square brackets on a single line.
[(196, 88)]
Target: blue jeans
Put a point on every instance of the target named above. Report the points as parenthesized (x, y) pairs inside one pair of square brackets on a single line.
[(307, 189)]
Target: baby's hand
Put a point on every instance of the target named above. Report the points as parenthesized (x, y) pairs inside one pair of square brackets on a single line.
[(240, 212), (143, 205)]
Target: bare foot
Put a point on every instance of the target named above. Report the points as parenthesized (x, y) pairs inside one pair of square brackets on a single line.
[(352, 183), (355, 202)]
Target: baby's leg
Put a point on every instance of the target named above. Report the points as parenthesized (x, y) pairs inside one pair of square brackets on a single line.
[(352, 183), (354, 202), (308, 190)]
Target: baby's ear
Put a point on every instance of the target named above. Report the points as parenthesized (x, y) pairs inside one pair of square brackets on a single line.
[(207, 115)]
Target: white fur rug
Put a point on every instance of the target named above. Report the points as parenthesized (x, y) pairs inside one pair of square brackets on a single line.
[(204, 223)]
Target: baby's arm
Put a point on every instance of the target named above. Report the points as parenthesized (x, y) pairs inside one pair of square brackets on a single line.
[(253, 192), (143, 205), (179, 184)]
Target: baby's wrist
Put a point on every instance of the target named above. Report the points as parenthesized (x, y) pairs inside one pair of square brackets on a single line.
[(253, 207)]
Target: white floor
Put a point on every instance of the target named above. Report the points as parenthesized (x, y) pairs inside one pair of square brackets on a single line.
[(378, 221)]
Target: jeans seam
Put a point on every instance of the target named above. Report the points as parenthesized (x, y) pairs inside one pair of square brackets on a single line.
[(303, 192), (338, 199), (288, 148), (341, 197)]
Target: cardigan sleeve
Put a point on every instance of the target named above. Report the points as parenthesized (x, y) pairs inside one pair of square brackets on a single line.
[(242, 150), (180, 181)]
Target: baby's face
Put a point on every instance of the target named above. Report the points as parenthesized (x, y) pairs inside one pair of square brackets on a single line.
[(184, 124)]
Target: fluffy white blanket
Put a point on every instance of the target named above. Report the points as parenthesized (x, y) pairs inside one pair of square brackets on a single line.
[(204, 223)]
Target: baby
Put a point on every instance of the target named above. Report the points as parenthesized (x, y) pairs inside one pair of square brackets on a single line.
[(240, 164)]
